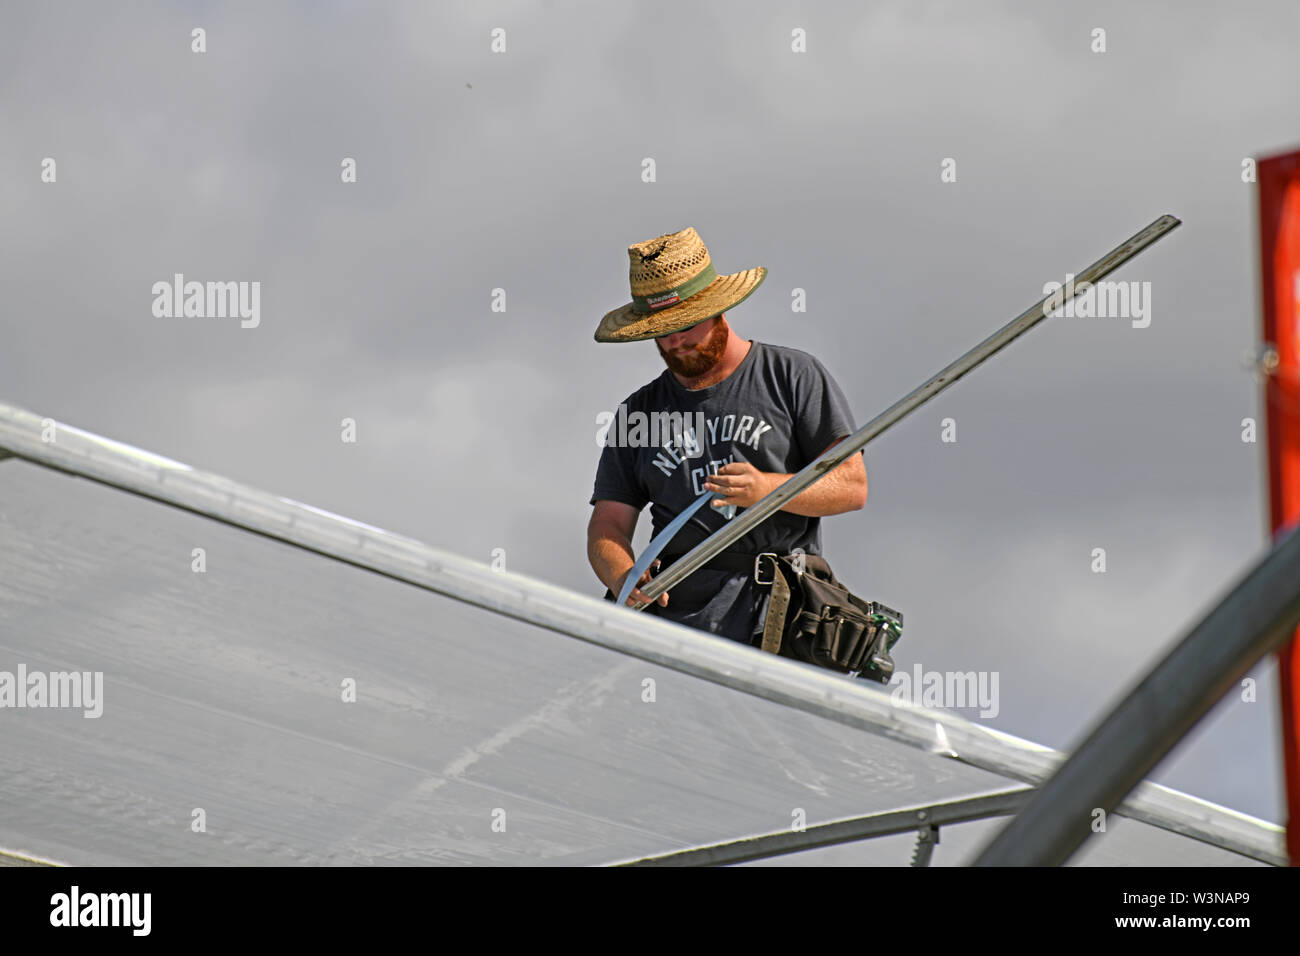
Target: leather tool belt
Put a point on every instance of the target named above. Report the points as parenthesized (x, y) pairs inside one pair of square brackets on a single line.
[(812, 617)]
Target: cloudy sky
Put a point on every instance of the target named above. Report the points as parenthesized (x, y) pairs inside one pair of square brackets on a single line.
[(521, 170)]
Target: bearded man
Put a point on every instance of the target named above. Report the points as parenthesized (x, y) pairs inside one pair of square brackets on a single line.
[(753, 414)]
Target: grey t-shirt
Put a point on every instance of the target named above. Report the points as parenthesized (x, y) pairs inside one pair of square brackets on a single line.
[(778, 411)]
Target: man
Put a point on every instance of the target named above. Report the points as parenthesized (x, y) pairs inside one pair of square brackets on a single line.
[(746, 416)]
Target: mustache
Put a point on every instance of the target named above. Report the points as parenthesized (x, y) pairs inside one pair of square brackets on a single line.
[(700, 347)]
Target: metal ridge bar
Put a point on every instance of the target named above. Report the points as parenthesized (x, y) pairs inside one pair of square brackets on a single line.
[(851, 830), (853, 703), (741, 524)]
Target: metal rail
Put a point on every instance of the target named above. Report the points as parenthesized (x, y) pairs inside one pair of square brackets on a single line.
[(841, 831), (1255, 619), (746, 520)]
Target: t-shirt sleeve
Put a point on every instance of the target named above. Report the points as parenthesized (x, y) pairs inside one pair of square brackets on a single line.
[(616, 477), (822, 413)]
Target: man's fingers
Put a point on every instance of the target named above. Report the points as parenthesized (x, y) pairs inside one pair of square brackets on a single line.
[(639, 597), (648, 573)]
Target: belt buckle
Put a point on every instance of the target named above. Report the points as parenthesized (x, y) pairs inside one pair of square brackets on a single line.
[(758, 561)]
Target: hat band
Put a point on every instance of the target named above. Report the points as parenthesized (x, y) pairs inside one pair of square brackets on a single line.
[(645, 304)]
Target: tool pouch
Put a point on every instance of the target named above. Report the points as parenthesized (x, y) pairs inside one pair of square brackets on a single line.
[(812, 617)]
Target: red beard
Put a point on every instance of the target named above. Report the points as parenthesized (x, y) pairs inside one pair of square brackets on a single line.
[(692, 361)]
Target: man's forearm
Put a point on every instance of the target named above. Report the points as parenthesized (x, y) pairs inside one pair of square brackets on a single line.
[(611, 557), (844, 489)]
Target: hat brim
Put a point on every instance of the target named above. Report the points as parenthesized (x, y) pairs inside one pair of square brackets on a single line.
[(625, 325)]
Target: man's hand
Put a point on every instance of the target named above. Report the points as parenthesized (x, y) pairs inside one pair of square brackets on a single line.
[(637, 596), (844, 489), (741, 483), (609, 547)]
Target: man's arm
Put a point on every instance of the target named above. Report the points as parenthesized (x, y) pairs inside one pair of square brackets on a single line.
[(609, 547), (843, 489)]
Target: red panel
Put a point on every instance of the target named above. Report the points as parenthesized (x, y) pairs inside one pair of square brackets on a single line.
[(1279, 227)]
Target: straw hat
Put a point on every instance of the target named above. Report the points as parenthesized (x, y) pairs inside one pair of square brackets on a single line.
[(674, 287)]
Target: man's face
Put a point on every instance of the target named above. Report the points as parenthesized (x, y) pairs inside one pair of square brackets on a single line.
[(693, 352)]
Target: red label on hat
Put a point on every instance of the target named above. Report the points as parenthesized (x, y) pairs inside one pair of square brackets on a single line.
[(659, 301)]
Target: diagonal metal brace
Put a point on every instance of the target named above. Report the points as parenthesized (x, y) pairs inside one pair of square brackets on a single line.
[(746, 520), (851, 830)]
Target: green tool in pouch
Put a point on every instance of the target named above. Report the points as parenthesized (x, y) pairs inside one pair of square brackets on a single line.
[(812, 617)]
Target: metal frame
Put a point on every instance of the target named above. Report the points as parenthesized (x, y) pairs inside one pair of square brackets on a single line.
[(927, 819), (854, 703), (1255, 619)]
